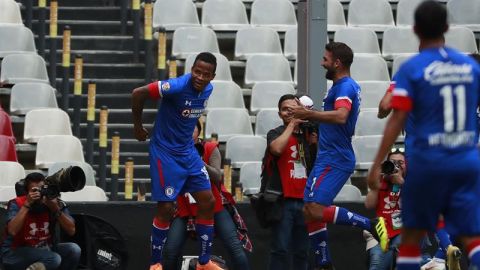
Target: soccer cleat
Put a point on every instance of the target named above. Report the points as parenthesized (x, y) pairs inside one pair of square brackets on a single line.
[(209, 266), (37, 266), (156, 266), (453, 257), (434, 264), (379, 232)]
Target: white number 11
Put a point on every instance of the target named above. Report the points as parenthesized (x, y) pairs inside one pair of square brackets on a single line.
[(448, 114)]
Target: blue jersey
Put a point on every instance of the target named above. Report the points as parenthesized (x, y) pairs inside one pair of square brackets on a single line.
[(335, 140), (440, 88), (181, 106)]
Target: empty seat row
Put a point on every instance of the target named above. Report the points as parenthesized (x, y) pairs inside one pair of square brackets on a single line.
[(23, 67), (88, 193)]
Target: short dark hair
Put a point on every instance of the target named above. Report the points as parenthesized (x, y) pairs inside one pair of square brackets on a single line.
[(431, 20), (285, 97), (341, 51), (34, 177), (475, 56), (207, 58)]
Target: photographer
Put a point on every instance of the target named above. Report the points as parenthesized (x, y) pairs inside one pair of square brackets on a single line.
[(30, 231), (386, 202)]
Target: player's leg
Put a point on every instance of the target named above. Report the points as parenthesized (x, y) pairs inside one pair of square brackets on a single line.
[(409, 254)]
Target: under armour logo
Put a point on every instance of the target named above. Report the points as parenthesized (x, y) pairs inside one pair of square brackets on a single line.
[(34, 229), (156, 247), (188, 103), (294, 151), (389, 204)]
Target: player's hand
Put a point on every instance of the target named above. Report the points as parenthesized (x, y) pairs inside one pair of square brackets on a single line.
[(373, 178), (140, 133), (397, 178), (299, 112), (33, 195)]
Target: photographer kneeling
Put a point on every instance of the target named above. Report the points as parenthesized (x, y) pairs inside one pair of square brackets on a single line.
[(386, 201), (30, 231)]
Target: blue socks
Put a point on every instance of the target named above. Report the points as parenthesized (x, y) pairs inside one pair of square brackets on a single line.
[(317, 232), (342, 216), (204, 229), (158, 238)]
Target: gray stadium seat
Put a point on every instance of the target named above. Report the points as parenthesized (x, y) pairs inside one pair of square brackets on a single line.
[(10, 12), (462, 39), (241, 149), (398, 61), (368, 124), (373, 14), (228, 123), (257, 40), (7, 193), (10, 173), (21, 100), (349, 193), (58, 148), (226, 94), (399, 41), (87, 169), (290, 47), (464, 13), (262, 68), (361, 40), (87, 194), (172, 14), (281, 19), (250, 177), (372, 92), (405, 11), (192, 40), (16, 39), (266, 94), (42, 122), (267, 119), (365, 148), (335, 16), (222, 72), (18, 68), (369, 68), (224, 15)]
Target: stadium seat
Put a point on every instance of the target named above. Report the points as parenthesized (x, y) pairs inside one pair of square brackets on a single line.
[(369, 68), (262, 68), (335, 16), (368, 124), (7, 193), (21, 100), (405, 11), (6, 128), (462, 39), (349, 193), (373, 14), (58, 148), (172, 14), (265, 95), (276, 14), (464, 13), (365, 148), (192, 40), (10, 12), (18, 68), (42, 122), (87, 194), (241, 149), (227, 123), (16, 39), (87, 169), (257, 40), (224, 15), (372, 92), (290, 47), (250, 177), (225, 95), (8, 153), (267, 119), (223, 72), (398, 61), (361, 40), (399, 41), (10, 173)]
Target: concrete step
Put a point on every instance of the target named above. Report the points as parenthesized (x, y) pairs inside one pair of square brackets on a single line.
[(88, 3), (100, 56), (112, 101), (105, 85), (117, 116), (125, 130), (107, 70), (87, 27), (95, 42), (94, 12), (126, 145), (139, 171)]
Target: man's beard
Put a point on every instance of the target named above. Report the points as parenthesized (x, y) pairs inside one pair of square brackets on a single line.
[(330, 74)]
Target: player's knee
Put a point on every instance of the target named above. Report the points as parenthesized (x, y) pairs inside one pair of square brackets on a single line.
[(208, 203), (311, 213), (165, 211)]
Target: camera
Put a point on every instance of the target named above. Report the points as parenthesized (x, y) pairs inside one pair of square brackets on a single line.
[(65, 180), (390, 167)]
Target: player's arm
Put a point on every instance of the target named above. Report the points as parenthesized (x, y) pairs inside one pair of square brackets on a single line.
[(139, 96), (384, 108), (337, 116), (371, 200)]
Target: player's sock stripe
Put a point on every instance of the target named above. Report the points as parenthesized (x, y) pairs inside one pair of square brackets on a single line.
[(473, 251), (317, 231), (335, 215), (409, 260)]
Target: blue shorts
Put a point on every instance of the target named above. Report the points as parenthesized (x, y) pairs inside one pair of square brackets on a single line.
[(448, 185), (172, 175), (324, 183)]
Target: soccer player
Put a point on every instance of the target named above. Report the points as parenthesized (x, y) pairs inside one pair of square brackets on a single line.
[(175, 165), (440, 88), (335, 160)]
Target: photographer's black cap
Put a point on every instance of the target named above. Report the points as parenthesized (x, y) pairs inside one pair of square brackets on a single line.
[(35, 176)]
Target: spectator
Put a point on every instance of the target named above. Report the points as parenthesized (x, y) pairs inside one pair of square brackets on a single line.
[(31, 220), (288, 147), (233, 235)]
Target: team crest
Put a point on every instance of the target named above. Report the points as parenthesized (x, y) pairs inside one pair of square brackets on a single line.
[(166, 86), (186, 113), (169, 191)]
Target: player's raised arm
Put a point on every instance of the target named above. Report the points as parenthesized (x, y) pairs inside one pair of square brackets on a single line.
[(139, 95)]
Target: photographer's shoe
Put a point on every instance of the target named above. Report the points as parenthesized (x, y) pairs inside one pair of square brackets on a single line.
[(209, 266), (156, 266), (453, 257), (37, 266), (379, 232), (434, 264)]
